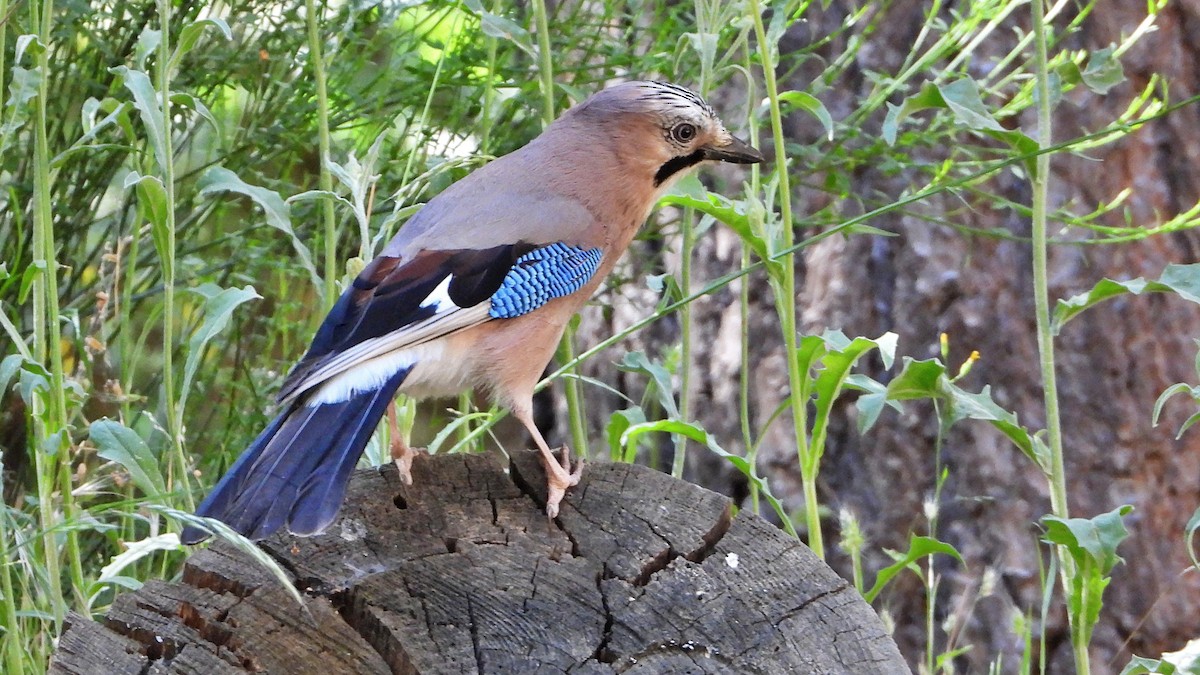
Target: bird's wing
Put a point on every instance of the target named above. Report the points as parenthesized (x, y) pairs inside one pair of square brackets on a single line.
[(397, 304)]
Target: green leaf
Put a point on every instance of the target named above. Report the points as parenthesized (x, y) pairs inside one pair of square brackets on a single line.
[(965, 405), (242, 544), (278, 213), (811, 104), (664, 387), (963, 99), (928, 97), (145, 99), (219, 304), (134, 552), (839, 357), (1182, 280), (918, 547), (1090, 540), (191, 33), (152, 198), (870, 404), (448, 430), (928, 379), (1189, 531), (728, 212), (1140, 665), (506, 29), (618, 423), (118, 443), (1168, 394), (147, 42), (188, 101), (917, 379), (1103, 71), (9, 368), (24, 86)]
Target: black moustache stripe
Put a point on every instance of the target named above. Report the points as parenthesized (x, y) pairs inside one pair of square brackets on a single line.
[(675, 165)]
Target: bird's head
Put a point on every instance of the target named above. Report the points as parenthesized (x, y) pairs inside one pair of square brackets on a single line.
[(662, 129)]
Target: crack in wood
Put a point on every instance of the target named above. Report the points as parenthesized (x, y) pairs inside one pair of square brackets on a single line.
[(456, 584)]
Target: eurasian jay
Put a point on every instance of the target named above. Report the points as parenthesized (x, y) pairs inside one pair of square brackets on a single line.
[(474, 291)]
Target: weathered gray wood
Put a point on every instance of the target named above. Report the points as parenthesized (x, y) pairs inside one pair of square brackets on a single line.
[(462, 572)]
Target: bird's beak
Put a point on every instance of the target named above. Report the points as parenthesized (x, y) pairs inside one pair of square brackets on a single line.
[(733, 151)]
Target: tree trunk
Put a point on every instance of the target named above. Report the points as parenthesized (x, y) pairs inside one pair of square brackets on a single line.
[(1112, 362), (462, 572)]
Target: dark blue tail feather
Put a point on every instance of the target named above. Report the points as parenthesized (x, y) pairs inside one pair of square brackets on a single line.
[(295, 473)]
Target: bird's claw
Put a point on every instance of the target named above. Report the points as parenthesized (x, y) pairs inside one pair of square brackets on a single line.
[(560, 477), (403, 458)]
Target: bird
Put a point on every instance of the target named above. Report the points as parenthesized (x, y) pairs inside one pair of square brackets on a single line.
[(473, 292)]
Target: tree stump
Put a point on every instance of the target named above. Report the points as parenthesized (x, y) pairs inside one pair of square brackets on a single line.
[(463, 572)]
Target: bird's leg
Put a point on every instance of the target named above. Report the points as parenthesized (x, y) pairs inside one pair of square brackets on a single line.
[(559, 475), (402, 454)]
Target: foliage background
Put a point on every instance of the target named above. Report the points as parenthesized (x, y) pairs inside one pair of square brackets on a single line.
[(443, 85)]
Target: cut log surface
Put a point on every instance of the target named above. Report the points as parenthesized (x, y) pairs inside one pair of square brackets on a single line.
[(462, 572)]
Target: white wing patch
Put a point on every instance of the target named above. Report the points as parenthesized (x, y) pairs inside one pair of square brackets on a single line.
[(439, 300)]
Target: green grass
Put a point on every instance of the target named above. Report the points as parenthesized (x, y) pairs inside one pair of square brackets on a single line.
[(158, 273)]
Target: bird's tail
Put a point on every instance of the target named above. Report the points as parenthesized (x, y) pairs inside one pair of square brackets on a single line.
[(295, 473)]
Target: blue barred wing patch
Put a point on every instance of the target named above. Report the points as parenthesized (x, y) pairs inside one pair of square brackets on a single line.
[(542, 275)]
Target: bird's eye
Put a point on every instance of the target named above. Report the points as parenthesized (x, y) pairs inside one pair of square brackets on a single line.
[(684, 132)]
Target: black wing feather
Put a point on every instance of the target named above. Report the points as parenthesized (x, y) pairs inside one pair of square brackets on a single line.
[(387, 295)]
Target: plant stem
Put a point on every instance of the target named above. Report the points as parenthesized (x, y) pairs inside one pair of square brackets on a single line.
[(179, 471), (755, 187), (13, 636), (52, 441), (325, 179), (1056, 472), (785, 295)]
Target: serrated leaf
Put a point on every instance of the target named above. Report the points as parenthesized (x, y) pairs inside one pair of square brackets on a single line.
[(1103, 71), (840, 355), (278, 213), (1182, 280), (963, 99), (918, 547), (24, 86), (1090, 540), (927, 97), (917, 379), (1139, 665), (118, 443), (811, 104), (727, 212), (664, 387)]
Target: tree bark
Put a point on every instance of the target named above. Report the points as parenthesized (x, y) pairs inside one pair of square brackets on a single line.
[(462, 572), (1113, 361)]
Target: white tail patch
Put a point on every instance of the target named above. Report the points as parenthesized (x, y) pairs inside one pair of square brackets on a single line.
[(373, 373)]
